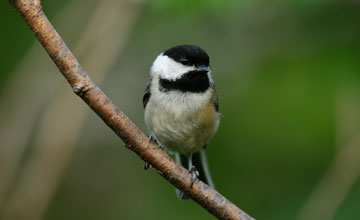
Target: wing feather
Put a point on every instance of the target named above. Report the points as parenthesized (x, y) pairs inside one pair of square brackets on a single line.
[(216, 100), (147, 93)]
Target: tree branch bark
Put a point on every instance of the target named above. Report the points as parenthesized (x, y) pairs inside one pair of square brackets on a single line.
[(134, 138)]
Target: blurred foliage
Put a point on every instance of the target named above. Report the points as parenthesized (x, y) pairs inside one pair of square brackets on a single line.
[(278, 67), (18, 37)]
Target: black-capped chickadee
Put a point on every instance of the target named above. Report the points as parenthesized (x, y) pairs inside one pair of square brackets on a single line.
[(181, 106)]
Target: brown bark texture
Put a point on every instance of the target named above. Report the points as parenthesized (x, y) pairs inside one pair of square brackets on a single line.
[(134, 138)]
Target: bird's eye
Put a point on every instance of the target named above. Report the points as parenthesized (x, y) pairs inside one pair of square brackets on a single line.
[(184, 61)]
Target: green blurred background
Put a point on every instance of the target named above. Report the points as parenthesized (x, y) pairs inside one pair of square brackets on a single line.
[(288, 79)]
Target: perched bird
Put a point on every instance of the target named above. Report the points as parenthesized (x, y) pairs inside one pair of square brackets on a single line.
[(181, 106)]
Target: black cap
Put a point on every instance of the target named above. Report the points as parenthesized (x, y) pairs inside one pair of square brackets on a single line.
[(188, 55)]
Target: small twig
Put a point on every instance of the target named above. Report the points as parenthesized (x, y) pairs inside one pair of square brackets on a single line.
[(134, 138)]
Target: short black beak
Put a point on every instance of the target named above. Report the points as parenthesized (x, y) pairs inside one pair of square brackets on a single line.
[(204, 68)]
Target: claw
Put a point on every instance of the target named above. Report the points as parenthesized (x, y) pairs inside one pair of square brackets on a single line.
[(183, 195), (194, 175), (146, 166), (152, 139)]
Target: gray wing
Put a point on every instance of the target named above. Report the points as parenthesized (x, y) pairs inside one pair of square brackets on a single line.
[(147, 93), (216, 101)]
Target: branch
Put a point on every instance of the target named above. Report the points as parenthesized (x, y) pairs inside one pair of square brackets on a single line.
[(134, 138), (52, 151)]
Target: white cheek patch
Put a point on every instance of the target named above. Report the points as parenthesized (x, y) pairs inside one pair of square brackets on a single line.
[(210, 77), (168, 68)]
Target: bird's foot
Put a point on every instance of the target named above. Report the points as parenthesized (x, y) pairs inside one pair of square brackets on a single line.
[(194, 175), (152, 139), (183, 195), (146, 166)]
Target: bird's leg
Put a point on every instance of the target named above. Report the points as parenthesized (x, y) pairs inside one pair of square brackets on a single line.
[(194, 174), (192, 170)]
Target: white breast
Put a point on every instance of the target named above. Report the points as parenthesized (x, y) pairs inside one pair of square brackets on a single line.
[(172, 117)]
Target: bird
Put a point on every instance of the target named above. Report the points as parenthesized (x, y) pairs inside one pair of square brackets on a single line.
[(181, 107)]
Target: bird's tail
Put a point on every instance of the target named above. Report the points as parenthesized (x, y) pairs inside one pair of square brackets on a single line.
[(200, 163)]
